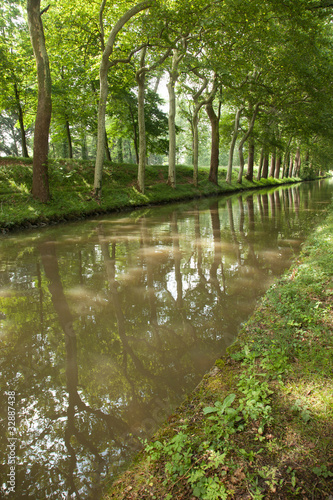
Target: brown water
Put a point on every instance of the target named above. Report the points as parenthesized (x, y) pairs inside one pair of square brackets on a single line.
[(106, 325)]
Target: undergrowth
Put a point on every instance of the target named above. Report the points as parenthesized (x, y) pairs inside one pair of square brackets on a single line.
[(71, 185)]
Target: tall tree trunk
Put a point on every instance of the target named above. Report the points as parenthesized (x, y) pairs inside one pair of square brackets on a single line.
[(103, 78), (250, 161), (107, 149), (261, 162), (195, 121), (291, 166), (84, 149), (273, 161), (244, 138), (265, 166), (40, 182), (214, 155), (172, 119), (278, 167), (25, 153), (233, 144), (69, 140), (286, 164), (140, 78), (298, 162)]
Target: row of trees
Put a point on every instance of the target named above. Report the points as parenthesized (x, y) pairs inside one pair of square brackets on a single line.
[(259, 73)]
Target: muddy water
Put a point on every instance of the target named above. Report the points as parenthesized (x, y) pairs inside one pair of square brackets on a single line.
[(106, 325)]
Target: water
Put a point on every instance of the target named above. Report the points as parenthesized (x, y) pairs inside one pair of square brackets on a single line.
[(106, 325)]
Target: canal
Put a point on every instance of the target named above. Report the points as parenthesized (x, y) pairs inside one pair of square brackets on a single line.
[(106, 325)]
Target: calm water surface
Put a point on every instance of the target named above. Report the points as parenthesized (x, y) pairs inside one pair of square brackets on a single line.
[(106, 325)]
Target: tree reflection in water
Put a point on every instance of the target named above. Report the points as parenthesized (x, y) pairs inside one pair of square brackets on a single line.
[(106, 325)]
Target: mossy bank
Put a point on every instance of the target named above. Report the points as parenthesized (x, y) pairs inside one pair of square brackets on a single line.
[(71, 184), (260, 424)]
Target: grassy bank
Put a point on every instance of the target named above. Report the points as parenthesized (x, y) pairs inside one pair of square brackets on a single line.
[(260, 424), (71, 184)]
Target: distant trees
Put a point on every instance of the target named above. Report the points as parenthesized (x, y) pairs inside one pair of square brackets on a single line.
[(260, 77)]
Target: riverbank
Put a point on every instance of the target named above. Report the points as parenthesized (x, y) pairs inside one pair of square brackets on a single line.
[(260, 424), (71, 183)]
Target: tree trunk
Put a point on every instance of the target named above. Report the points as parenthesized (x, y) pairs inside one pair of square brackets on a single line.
[(291, 166), (69, 140), (84, 149), (172, 120), (272, 168), (265, 166), (103, 78), (278, 167), (233, 143), (261, 162), (107, 149), (297, 162), (286, 164), (250, 162), (40, 182), (25, 153), (140, 78), (245, 137), (194, 124), (195, 121), (214, 156)]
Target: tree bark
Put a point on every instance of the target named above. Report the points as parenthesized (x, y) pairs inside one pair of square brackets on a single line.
[(107, 149), (291, 166), (244, 138), (265, 166), (278, 167), (214, 155), (103, 77), (140, 78), (40, 183), (25, 153), (195, 121), (250, 162), (69, 140), (233, 143), (272, 167), (298, 162), (172, 119), (261, 162)]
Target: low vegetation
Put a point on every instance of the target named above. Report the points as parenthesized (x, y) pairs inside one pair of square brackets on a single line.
[(260, 424), (72, 183)]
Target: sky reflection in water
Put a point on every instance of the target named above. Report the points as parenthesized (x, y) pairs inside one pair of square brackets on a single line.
[(106, 325)]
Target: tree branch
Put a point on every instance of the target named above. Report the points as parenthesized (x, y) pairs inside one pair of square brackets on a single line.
[(45, 10)]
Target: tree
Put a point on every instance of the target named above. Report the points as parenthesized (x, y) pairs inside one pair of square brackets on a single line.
[(103, 76), (140, 78), (233, 143), (40, 183), (214, 118), (242, 141)]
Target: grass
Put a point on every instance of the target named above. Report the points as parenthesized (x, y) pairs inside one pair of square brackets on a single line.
[(71, 183), (260, 424)]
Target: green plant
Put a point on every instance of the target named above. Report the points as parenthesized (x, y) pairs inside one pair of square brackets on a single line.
[(322, 471)]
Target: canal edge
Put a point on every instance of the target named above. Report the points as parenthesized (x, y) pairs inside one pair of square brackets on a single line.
[(294, 430)]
